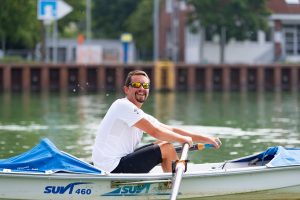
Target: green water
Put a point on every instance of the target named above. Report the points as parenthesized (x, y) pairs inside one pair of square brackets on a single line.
[(245, 122)]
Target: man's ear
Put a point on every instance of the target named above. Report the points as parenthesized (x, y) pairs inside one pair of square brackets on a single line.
[(125, 89)]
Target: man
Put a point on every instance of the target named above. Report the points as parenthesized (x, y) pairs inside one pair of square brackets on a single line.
[(115, 149)]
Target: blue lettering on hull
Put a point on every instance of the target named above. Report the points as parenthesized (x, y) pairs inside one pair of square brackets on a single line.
[(138, 190), (68, 189), (129, 190)]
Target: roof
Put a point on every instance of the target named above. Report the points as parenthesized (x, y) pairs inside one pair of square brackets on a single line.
[(282, 7)]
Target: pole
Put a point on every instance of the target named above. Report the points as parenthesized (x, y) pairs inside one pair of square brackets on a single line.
[(3, 43), (174, 30), (47, 40), (222, 46), (88, 20), (156, 30), (125, 55), (54, 42)]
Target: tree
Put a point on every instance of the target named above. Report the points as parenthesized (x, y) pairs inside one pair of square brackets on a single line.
[(75, 22), (110, 17), (140, 24), (18, 24), (238, 19), (20, 28), (114, 17)]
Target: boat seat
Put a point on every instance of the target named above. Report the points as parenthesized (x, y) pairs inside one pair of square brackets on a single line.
[(258, 162)]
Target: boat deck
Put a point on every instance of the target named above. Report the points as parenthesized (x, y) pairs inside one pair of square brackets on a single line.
[(216, 166)]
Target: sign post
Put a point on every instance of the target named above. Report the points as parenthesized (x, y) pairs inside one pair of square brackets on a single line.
[(126, 39), (50, 11)]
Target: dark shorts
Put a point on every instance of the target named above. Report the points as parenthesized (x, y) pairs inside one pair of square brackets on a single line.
[(142, 160)]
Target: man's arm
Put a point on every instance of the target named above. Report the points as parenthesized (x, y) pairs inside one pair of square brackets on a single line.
[(195, 136), (162, 133)]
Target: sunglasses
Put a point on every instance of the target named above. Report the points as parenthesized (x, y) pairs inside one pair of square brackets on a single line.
[(139, 84)]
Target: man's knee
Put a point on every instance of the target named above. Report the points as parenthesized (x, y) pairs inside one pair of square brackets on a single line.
[(167, 149)]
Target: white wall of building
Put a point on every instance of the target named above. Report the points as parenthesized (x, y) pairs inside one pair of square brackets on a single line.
[(241, 52), (248, 52), (192, 51), (111, 51)]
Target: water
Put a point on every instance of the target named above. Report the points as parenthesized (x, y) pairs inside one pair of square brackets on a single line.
[(245, 122)]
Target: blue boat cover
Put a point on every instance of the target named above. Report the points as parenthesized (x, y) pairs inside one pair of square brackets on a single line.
[(46, 158), (277, 156)]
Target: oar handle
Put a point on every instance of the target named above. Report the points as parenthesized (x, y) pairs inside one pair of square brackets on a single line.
[(179, 170), (198, 146)]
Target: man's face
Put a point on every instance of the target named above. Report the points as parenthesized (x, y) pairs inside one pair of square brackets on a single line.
[(137, 95)]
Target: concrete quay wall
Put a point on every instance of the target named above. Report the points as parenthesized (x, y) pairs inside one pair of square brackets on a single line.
[(164, 76)]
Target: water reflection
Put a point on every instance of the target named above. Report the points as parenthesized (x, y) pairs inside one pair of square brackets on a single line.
[(246, 122)]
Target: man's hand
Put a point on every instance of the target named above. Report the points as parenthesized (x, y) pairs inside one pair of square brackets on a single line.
[(188, 140), (216, 142)]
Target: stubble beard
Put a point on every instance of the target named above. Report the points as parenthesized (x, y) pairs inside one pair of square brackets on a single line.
[(141, 99)]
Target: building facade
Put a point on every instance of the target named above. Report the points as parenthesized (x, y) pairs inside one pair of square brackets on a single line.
[(280, 44), (94, 51)]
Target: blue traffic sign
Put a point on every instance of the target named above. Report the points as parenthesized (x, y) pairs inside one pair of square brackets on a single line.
[(52, 9), (47, 9)]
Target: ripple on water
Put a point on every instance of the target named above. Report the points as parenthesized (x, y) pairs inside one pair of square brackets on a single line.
[(36, 127)]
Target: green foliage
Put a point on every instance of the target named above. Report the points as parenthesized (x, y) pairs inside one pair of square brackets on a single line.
[(18, 23), (239, 17), (140, 24), (109, 17), (20, 28), (13, 60), (73, 23)]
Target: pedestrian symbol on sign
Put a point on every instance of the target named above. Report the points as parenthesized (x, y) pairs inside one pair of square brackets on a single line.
[(47, 9), (52, 9)]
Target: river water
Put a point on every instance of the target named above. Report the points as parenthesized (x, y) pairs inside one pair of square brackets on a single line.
[(245, 122)]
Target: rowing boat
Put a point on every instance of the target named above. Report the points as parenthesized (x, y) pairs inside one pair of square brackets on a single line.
[(45, 172)]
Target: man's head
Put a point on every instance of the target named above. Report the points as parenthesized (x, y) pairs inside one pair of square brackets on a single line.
[(137, 86)]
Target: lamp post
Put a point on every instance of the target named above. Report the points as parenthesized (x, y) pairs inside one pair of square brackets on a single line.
[(126, 39)]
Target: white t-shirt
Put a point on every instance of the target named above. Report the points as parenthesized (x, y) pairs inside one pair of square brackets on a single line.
[(116, 136)]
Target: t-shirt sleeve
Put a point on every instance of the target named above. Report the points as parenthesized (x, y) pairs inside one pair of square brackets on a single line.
[(152, 119), (128, 113)]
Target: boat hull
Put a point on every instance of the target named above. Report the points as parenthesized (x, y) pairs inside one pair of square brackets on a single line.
[(212, 182)]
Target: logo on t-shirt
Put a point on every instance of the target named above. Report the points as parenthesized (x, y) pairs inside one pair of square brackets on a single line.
[(136, 111)]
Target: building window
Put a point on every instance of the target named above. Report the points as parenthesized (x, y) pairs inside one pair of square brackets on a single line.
[(252, 36), (211, 32), (169, 45), (289, 43), (292, 39), (268, 35), (111, 55), (169, 6), (208, 34), (298, 40), (74, 56), (61, 54)]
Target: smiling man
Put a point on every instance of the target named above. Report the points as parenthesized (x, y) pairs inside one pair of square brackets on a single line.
[(120, 132)]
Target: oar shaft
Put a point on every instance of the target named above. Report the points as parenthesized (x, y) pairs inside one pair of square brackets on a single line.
[(198, 146), (179, 170)]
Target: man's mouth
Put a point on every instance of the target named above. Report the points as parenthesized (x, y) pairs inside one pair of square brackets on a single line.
[(140, 96), (140, 93)]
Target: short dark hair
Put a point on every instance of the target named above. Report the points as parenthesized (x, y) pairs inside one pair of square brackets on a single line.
[(133, 73)]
